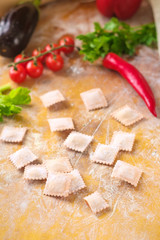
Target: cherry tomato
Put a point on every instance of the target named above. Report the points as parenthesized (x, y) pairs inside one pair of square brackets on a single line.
[(33, 70), (18, 75), (36, 52), (55, 63), (20, 57), (67, 40), (48, 47)]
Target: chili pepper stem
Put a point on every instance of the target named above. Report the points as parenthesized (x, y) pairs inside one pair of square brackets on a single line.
[(39, 55)]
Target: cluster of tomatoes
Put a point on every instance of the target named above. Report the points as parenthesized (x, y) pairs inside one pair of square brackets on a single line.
[(34, 67)]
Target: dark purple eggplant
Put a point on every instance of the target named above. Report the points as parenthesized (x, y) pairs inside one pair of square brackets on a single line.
[(16, 29)]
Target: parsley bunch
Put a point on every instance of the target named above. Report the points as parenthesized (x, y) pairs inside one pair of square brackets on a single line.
[(9, 102), (117, 37)]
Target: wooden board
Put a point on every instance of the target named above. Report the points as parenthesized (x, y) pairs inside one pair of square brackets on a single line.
[(135, 213)]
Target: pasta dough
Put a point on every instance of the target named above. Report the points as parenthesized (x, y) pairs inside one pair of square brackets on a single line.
[(127, 116), (96, 202), (78, 141), (22, 157), (94, 99), (51, 98), (13, 134), (126, 172)]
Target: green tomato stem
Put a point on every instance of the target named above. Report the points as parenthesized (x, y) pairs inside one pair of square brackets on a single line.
[(39, 55)]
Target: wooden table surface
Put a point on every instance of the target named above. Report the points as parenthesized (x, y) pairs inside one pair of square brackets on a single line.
[(25, 213)]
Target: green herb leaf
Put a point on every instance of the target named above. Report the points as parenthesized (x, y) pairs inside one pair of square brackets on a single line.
[(9, 102), (20, 96), (117, 37), (112, 25)]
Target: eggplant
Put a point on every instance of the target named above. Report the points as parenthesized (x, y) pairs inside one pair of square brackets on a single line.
[(16, 29)]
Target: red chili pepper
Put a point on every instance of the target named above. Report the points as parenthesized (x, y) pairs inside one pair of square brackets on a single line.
[(123, 9), (134, 77)]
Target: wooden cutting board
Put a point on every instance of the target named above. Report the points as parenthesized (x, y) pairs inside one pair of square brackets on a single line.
[(25, 213)]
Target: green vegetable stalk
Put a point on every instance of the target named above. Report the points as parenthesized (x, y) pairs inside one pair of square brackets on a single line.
[(5, 88), (36, 3), (9, 103), (117, 37)]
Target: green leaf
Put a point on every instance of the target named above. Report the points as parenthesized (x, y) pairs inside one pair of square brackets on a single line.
[(97, 27), (112, 25), (1, 118), (9, 102), (20, 96)]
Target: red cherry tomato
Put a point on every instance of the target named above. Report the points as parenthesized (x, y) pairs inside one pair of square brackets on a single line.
[(67, 40), (55, 63), (36, 52), (49, 46), (33, 70), (18, 75), (20, 57)]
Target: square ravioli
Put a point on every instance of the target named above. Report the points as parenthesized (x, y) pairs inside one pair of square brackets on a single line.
[(126, 172), (123, 140), (78, 141), (105, 154), (60, 164), (94, 99), (77, 182), (96, 202), (127, 116), (22, 157), (35, 172), (51, 98), (13, 134), (61, 124), (58, 185)]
